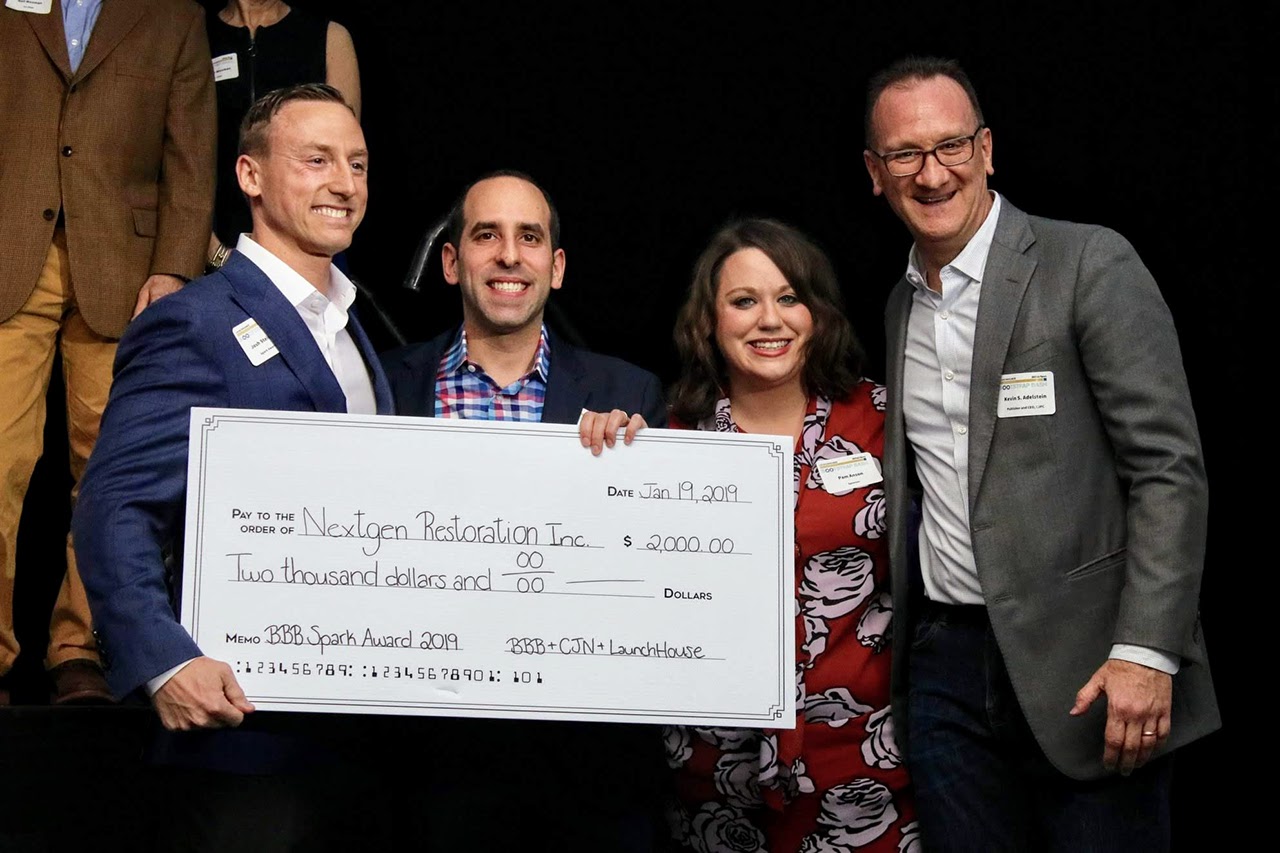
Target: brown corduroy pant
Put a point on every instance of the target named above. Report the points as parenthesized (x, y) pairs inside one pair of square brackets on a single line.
[(28, 341)]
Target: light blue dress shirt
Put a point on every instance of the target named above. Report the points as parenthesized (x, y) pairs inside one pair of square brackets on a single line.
[(78, 18)]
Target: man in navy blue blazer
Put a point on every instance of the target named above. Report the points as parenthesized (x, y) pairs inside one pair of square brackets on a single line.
[(271, 329), (561, 786)]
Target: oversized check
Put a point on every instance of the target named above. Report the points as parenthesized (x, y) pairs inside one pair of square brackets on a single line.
[(400, 565)]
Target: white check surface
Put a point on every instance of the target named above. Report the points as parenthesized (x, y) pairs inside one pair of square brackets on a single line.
[(471, 568)]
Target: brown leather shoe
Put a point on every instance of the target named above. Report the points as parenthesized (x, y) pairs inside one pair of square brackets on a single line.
[(79, 682)]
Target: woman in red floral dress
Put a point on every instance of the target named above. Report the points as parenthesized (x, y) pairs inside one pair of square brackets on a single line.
[(767, 349)]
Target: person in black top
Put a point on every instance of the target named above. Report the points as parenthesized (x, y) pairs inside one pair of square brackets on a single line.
[(258, 46)]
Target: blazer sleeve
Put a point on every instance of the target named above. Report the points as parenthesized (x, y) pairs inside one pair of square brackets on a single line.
[(133, 490), (188, 161), (411, 374), (1130, 354), (653, 404)]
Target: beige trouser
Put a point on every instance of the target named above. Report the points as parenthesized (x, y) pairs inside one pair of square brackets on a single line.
[(28, 339)]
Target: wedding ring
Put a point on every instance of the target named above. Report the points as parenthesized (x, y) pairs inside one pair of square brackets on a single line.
[(1148, 734)]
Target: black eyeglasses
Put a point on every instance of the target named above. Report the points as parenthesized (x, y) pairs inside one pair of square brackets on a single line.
[(949, 152)]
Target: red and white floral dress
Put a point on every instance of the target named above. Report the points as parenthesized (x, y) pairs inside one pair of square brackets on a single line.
[(836, 782)]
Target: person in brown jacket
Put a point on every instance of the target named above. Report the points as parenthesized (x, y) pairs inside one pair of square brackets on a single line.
[(107, 137)]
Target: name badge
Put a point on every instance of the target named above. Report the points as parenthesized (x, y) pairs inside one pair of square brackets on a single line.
[(255, 343), (226, 67), (843, 475), (36, 7), (1023, 395)]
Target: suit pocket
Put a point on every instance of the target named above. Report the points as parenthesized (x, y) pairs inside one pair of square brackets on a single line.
[(144, 222), (157, 74), (924, 631), (1030, 358), (1106, 561)]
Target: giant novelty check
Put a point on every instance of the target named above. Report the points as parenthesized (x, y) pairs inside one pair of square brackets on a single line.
[(397, 565)]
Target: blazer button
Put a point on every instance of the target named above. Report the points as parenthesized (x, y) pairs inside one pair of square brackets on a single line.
[(66, 151), (48, 215)]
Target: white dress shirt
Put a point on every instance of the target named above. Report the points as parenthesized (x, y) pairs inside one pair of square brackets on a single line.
[(935, 407), (326, 319)]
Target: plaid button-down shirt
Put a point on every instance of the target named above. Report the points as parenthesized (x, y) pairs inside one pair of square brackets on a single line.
[(464, 390)]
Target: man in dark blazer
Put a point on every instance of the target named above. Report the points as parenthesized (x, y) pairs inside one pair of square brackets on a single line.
[(269, 330), (1048, 655), (107, 139), (503, 320), (561, 786)]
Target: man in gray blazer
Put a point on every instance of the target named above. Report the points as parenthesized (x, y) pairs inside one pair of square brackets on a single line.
[(1047, 654)]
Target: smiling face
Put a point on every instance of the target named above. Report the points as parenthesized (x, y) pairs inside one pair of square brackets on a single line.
[(504, 262), (762, 328), (308, 187), (942, 206)]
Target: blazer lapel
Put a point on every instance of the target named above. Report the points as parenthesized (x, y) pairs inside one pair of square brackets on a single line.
[(1004, 283), (263, 301), (381, 388), (566, 395), (48, 29), (114, 22), (897, 456), (897, 313), (425, 370)]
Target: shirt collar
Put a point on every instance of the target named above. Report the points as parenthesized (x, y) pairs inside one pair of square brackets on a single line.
[(291, 283), (455, 358), (972, 260)]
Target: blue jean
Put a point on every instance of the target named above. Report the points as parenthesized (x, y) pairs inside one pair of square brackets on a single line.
[(982, 783)]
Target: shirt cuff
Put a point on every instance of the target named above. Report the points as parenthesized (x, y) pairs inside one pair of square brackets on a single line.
[(1146, 656), (163, 678)]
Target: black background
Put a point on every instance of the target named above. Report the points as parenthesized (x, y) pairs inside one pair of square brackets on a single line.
[(651, 123)]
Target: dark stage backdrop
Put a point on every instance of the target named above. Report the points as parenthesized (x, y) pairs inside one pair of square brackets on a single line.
[(651, 123)]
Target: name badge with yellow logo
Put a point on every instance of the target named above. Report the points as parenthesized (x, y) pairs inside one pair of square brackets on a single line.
[(1024, 395), (843, 475)]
